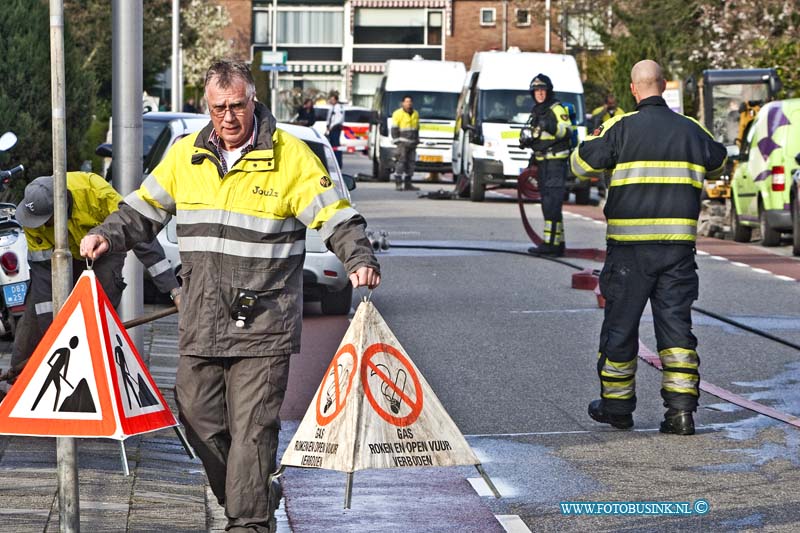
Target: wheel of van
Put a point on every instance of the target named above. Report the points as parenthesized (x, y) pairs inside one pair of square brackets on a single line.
[(739, 232), (379, 171), (477, 189), (583, 195), (769, 235), (337, 303), (462, 185), (796, 226)]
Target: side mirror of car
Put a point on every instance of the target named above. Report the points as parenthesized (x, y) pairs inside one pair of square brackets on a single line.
[(797, 158), (104, 150), (374, 117), (7, 141), (349, 181)]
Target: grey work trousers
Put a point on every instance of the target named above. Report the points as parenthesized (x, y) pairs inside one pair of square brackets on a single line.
[(229, 406), (406, 159)]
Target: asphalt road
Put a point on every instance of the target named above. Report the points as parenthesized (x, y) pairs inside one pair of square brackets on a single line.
[(510, 349)]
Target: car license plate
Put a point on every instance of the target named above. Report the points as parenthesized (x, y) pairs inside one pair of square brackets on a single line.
[(15, 293), (431, 158)]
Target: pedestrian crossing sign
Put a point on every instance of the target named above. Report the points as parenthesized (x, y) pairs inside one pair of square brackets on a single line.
[(85, 378)]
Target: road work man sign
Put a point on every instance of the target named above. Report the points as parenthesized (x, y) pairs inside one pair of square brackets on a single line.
[(374, 409)]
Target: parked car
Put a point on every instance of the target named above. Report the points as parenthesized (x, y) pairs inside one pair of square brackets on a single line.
[(324, 276), (759, 188), (355, 130), (795, 208)]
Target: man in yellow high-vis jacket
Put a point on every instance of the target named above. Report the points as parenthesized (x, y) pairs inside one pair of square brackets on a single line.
[(405, 135)]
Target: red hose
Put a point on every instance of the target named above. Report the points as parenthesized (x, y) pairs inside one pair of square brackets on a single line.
[(528, 189)]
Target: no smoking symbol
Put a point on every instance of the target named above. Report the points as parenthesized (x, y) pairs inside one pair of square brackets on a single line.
[(336, 385), (393, 380)]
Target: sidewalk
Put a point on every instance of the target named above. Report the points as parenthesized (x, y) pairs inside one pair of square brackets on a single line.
[(166, 490)]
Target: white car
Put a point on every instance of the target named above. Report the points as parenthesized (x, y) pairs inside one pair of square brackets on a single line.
[(324, 277), (355, 130)]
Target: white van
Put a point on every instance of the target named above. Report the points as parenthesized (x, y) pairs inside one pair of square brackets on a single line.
[(434, 86), (494, 106)]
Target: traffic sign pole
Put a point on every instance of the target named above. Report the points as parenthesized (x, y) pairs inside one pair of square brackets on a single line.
[(66, 449)]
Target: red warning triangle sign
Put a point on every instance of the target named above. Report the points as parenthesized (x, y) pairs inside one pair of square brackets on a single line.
[(85, 379)]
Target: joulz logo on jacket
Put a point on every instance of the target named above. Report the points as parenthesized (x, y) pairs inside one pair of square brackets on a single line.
[(271, 192)]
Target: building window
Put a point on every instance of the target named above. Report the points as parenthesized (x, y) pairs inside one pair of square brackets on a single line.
[(364, 87), (488, 16), (435, 27), (261, 27), (580, 30), (389, 26), (523, 17), (311, 28)]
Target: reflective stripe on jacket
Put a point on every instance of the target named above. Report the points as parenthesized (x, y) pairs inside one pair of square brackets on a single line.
[(405, 126), (556, 129), (658, 160), (242, 231)]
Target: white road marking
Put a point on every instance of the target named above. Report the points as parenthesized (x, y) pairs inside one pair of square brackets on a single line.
[(480, 486), (701, 252), (761, 271), (601, 429), (512, 523), (718, 258), (787, 278)]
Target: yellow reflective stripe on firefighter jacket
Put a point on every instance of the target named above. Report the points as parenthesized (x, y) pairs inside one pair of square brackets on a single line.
[(555, 132), (93, 199), (657, 160), (243, 231), (405, 126)]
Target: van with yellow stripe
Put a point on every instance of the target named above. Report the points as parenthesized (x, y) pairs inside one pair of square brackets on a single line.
[(434, 87), (495, 105)]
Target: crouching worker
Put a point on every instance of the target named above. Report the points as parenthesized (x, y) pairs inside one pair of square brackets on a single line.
[(242, 254), (90, 199)]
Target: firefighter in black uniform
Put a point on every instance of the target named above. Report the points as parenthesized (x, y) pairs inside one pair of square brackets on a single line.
[(658, 160), (548, 133)]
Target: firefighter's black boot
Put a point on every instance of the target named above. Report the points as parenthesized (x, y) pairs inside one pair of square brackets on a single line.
[(408, 186), (617, 421), (677, 422), (398, 182)]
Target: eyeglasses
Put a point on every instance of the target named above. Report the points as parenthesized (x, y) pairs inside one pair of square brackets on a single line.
[(237, 108)]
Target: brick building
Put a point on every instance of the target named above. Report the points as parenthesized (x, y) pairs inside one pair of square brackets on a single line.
[(497, 25)]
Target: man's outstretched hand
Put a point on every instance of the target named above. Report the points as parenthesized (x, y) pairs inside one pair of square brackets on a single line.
[(363, 277), (93, 246)]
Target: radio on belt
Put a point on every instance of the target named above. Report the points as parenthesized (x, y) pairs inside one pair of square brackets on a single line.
[(243, 306)]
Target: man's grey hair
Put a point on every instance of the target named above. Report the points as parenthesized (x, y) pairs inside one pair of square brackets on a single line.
[(225, 72)]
